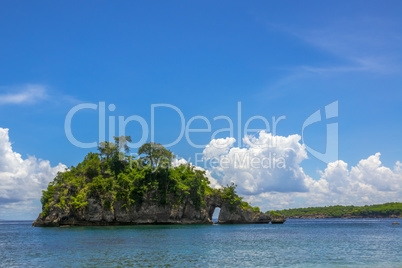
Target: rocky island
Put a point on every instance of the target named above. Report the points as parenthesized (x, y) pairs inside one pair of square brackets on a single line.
[(111, 188)]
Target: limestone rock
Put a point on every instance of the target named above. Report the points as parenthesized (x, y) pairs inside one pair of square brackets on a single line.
[(94, 214), (277, 219)]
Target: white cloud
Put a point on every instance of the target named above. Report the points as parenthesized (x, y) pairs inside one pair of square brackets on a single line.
[(33, 93), (272, 187), (22, 180), (177, 162), (25, 95), (266, 163), (369, 182), (218, 147)]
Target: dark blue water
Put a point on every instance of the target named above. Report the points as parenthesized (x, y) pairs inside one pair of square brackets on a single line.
[(297, 243)]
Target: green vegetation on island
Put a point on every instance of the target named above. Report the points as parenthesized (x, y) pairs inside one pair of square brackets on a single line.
[(113, 175), (374, 211)]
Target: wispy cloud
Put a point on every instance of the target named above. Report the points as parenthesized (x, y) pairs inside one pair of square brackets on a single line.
[(27, 94), (364, 44), (31, 94), (359, 45)]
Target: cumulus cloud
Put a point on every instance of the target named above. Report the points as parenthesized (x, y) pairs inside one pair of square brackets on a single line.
[(26, 94), (266, 163), (22, 180), (368, 181), (273, 186), (218, 147)]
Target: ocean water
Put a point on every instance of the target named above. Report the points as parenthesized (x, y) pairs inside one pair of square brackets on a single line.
[(297, 243)]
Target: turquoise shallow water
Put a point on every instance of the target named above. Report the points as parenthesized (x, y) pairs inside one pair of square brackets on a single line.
[(297, 243)]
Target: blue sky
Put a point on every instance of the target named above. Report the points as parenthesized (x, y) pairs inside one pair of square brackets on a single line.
[(286, 58)]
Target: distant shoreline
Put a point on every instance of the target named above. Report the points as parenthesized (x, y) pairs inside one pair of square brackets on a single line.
[(387, 210), (345, 217)]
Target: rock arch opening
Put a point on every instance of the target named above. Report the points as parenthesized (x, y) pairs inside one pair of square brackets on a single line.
[(215, 214)]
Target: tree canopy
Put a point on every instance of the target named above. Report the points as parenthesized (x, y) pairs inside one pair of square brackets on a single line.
[(155, 155), (109, 149)]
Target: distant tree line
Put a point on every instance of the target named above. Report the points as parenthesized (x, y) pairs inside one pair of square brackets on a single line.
[(382, 210)]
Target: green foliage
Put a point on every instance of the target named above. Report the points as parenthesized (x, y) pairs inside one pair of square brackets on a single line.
[(186, 182), (383, 210), (156, 155), (108, 177), (256, 209), (47, 197), (108, 149), (79, 201), (229, 195), (91, 167), (273, 213)]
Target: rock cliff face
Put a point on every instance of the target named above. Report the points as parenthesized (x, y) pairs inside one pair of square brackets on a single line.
[(238, 215), (277, 219), (149, 213)]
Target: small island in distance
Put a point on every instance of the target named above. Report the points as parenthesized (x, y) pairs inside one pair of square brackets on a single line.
[(111, 188), (387, 210)]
